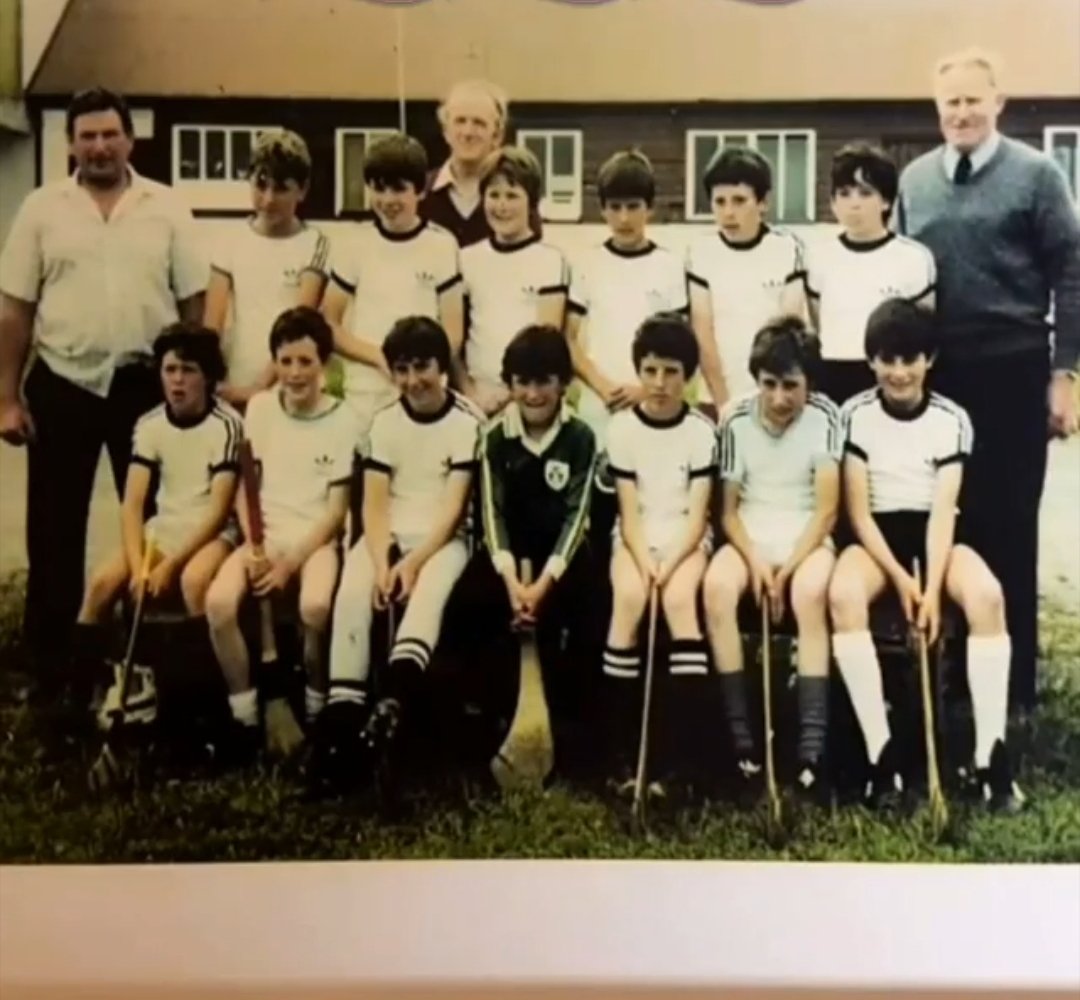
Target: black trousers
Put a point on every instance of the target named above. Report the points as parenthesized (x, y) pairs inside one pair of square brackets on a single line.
[(1006, 399), (72, 425)]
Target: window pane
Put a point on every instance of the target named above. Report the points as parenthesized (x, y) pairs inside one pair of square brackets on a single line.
[(739, 139), (796, 172), (537, 145), (769, 147), (189, 155), (562, 156), (704, 148), (240, 146), (215, 154), (1064, 151), (353, 170)]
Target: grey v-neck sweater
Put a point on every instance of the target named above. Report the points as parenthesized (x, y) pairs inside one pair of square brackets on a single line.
[(1003, 243)]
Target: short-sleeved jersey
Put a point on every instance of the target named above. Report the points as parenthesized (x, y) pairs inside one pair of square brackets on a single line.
[(185, 455), (390, 275), (264, 273), (504, 285), (745, 283), (419, 452), (776, 472), (617, 290), (663, 458), (904, 451), (301, 458), (851, 279)]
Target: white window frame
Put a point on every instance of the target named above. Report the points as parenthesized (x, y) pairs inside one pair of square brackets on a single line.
[(1049, 134), (370, 134), (570, 210), (752, 136), (213, 194)]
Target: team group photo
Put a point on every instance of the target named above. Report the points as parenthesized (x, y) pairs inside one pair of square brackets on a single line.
[(377, 505)]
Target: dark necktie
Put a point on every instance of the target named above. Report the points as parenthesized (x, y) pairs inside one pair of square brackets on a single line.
[(963, 170)]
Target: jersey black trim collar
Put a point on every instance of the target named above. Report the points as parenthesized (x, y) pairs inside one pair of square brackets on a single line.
[(513, 247), (662, 424), (186, 423), (898, 414), (865, 247), (428, 418), (750, 244), (648, 248), (399, 237)]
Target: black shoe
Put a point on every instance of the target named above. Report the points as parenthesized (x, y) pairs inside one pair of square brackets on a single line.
[(749, 781), (238, 746), (811, 785), (885, 783), (379, 742), (999, 790), (338, 749)]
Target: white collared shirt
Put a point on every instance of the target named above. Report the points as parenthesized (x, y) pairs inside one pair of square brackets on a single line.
[(465, 203), (104, 289), (979, 156)]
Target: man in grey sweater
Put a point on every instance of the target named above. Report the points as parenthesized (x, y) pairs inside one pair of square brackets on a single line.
[(1005, 235)]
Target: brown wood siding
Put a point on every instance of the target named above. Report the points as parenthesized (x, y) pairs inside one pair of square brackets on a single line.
[(904, 128)]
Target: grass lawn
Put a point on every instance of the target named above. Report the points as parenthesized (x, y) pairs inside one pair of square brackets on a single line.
[(47, 816)]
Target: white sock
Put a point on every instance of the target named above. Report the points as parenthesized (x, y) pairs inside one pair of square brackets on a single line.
[(314, 702), (989, 657), (245, 707), (857, 661)]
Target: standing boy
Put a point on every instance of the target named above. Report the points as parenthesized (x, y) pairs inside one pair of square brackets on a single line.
[(615, 287), (303, 441), (264, 266), (417, 483), (905, 451), (849, 275), (393, 266), (512, 280), (663, 457), (780, 469), (742, 276), (184, 459)]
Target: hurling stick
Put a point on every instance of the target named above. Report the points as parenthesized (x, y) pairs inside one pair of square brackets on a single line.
[(939, 809), (527, 754), (283, 732)]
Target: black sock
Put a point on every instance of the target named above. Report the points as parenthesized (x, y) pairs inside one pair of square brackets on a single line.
[(688, 657), (89, 666), (347, 692), (402, 680), (813, 716), (621, 707), (622, 664), (733, 686)]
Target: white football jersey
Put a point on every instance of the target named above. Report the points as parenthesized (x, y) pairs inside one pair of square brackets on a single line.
[(264, 273), (851, 279), (745, 283), (390, 276), (904, 451), (186, 455), (300, 458), (504, 285), (663, 458), (418, 452)]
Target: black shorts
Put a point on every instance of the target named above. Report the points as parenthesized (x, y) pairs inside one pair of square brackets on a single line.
[(905, 533)]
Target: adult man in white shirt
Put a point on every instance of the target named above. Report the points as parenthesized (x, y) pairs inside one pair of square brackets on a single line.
[(94, 267)]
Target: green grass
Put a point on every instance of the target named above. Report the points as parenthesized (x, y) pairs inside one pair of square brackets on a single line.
[(46, 816)]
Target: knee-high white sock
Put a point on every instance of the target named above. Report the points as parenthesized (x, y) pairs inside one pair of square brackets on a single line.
[(989, 657), (858, 663), (245, 707)]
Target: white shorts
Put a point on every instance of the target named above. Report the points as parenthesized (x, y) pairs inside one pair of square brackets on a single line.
[(774, 534), (170, 533)]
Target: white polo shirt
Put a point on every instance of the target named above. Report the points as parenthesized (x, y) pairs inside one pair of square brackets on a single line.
[(104, 289)]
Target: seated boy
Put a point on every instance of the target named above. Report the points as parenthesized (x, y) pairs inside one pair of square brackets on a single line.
[(780, 469), (417, 483), (905, 449), (263, 267), (184, 460), (743, 275), (662, 455), (848, 275), (615, 287), (303, 441), (512, 280), (537, 466), (396, 265)]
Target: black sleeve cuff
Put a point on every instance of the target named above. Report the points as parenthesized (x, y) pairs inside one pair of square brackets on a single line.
[(551, 289), (696, 280), (342, 283), (958, 456), (376, 466), (708, 470), (622, 473), (148, 462), (853, 449), (448, 284), (224, 467), (577, 307)]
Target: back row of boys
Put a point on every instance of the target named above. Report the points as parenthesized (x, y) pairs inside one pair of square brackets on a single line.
[(399, 275)]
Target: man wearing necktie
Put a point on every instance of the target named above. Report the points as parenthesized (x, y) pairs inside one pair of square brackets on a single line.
[(1005, 234)]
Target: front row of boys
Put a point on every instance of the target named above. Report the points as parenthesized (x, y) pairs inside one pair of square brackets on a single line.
[(901, 448)]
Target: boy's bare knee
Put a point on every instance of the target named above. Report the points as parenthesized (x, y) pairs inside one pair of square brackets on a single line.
[(678, 603), (721, 594), (987, 610), (810, 603), (314, 612), (847, 604), (222, 606)]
